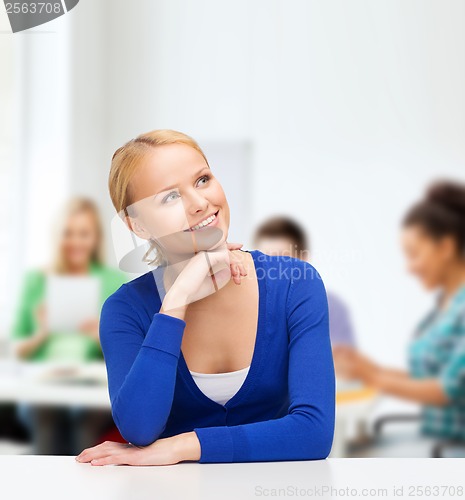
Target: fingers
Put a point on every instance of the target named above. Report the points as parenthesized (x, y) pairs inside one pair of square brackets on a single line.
[(234, 246), (110, 453), (41, 314), (116, 459), (99, 451), (131, 455), (237, 269), (235, 274)]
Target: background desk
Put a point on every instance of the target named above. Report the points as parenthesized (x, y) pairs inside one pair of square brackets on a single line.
[(42, 477), (22, 382), (353, 407)]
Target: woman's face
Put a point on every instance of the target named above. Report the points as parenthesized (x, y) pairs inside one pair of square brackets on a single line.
[(174, 191), (427, 258), (79, 239)]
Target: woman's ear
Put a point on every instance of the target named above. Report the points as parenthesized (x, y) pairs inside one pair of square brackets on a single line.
[(136, 228), (448, 247)]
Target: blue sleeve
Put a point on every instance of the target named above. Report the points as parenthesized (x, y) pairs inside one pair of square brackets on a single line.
[(452, 374), (340, 324), (306, 432), (141, 367)]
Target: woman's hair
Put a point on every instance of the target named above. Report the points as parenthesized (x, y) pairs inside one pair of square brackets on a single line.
[(125, 163), (283, 227), (71, 207), (441, 212)]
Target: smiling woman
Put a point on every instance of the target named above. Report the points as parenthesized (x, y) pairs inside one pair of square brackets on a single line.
[(181, 320)]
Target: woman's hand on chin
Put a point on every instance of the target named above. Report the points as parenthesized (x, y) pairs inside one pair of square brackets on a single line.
[(236, 267), (166, 451)]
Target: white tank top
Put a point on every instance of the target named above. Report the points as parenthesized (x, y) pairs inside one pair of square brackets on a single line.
[(220, 387)]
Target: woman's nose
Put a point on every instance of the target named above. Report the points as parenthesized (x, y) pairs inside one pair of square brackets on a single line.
[(195, 203)]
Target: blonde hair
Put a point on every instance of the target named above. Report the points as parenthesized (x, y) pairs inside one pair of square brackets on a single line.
[(124, 164), (71, 207)]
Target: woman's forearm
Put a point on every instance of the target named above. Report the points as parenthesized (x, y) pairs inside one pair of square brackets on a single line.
[(174, 305), (400, 383), (188, 446), (141, 370), (25, 347)]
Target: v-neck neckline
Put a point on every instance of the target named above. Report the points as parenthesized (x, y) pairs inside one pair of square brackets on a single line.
[(257, 353), (437, 314), (452, 299)]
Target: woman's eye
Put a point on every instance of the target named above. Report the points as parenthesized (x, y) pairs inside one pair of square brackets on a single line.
[(205, 177), (175, 193), (167, 197)]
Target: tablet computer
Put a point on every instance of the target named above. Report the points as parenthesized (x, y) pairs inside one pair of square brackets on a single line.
[(71, 300)]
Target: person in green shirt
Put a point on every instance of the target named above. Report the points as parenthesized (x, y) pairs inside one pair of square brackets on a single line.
[(78, 251)]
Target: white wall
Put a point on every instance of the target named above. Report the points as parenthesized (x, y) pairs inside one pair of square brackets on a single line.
[(35, 133), (350, 107)]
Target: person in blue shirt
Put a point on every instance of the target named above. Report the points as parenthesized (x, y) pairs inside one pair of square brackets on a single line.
[(211, 308), (282, 235), (433, 238)]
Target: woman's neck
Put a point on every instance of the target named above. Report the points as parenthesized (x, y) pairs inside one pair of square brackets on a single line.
[(173, 270), (80, 269), (454, 280)]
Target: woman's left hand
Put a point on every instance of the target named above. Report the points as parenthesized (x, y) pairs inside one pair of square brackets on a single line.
[(91, 328), (238, 269), (351, 364), (165, 451)]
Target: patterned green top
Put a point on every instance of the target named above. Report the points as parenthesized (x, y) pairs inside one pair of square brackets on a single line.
[(438, 350), (75, 347)]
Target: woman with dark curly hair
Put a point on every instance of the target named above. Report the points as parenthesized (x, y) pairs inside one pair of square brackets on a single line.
[(433, 238)]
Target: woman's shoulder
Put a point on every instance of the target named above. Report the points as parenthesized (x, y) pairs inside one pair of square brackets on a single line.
[(284, 269), (291, 283), (459, 313), (137, 292), (35, 275)]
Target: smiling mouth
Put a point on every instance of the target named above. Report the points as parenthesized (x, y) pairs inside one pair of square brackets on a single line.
[(205, 225)]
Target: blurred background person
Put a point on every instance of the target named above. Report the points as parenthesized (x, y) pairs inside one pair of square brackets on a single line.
[(78, 251), (280, 235), (433, 240)]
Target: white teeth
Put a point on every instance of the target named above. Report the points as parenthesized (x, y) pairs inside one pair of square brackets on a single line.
[(204, 223)]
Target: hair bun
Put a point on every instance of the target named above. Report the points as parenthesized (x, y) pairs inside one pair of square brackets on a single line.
[(449, 194)]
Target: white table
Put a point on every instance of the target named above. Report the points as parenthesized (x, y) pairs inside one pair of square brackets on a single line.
[(51, 477)]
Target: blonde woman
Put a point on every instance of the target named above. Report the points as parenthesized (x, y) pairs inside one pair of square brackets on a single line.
[(219, 354), (78, 250)]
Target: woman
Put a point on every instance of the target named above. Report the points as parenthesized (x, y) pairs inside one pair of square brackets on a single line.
[(78, 250), (434, 243), (202, 367)]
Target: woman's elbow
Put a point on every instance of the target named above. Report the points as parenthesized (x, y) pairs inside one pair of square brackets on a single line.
[(326, 448), (138, 436), (317, 442), (322, 448), (137, 432)]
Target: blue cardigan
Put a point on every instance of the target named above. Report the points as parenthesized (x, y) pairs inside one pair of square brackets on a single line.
[(285, 409)]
